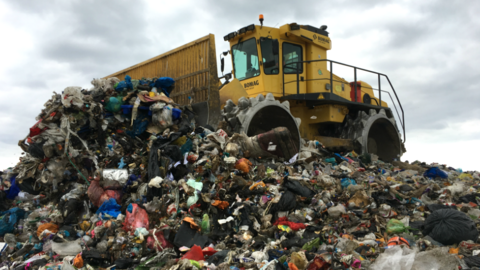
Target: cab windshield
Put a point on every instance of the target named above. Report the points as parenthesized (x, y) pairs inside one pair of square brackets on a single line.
[(245, 59)]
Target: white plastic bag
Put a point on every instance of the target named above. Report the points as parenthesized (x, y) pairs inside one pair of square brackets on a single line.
[(66, 248), (155, 182), (457, 188), (336, 211), (66, 263), (435, 259), (396, 258), (72, 95), (163, 118)]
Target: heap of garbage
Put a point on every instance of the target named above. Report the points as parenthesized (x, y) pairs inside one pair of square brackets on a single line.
[(120, 177)]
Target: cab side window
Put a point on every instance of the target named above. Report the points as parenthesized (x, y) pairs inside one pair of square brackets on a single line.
[(269, 55), (292, 53)]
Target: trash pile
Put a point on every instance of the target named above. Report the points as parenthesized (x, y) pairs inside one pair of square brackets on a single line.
[(121, 177)]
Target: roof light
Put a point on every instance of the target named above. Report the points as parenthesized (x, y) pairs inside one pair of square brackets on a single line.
[(232, 35), (294, 26)]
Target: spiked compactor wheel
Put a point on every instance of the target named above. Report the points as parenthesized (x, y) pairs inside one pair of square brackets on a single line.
[(260, 114), (374, 133)]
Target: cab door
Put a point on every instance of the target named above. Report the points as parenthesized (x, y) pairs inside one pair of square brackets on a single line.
[(290, 55)]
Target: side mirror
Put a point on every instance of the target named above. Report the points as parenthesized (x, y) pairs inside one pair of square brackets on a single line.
[(222, 60), (222, 64), (275, 46)]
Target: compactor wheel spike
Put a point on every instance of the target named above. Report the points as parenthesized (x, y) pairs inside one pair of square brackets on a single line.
[(372, 112), (364, 115), (286, 104), (363, 123), (382, 111), (299, 121), (254, 101)]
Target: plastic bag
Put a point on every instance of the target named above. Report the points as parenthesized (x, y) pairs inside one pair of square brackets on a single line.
[(457, 188), (78, 261), (14, 189), (66, 265), (299, 259), (167, 84), (98, 195), (163, 118), (53, 228), (119, 175), (297, 188), (156, 182), (188, 236), (336, 211), (449, 226), (66, 248), (9, 219), (114, 105), (345, 182), (435, 172), (395, 258), (243, 165), (435, 259), (109, 207), (157, 241), (287, 202), (36, 150), (72, 95), (198, 187), (136, 218), (125, 85), (395, 226), (314, 243), (195, 253)]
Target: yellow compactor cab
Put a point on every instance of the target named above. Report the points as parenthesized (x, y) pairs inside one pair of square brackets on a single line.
[(290, 62)]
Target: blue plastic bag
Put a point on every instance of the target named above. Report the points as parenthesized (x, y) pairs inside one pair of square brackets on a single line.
[(435, 172), (176, 113), (347, 182), (14, 189), (186, 147), (114, 104), (7, 222), (126, 84), (331, 161), (109, 207), (166, 84), (139, 125)]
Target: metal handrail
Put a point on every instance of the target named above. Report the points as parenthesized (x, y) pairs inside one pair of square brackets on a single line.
[(401, 119)]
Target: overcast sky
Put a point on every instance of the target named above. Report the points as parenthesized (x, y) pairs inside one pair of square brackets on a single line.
[(429, 49)]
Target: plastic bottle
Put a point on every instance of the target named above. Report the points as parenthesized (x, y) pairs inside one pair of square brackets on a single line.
[(110, 144), (20, 226), (55, 184), (11, 241), (205, 224)]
